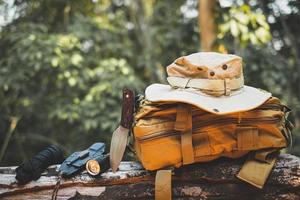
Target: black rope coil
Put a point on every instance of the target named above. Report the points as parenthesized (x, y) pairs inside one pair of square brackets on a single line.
[(33, 168)]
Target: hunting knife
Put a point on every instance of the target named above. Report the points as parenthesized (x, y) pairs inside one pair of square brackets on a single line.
[(120, 135)]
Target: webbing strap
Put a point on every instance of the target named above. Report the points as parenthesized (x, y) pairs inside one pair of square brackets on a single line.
[(187, 148), (247, 137), (184, 125), (183, 118), (265, 155), (163, 185), (256, 172), (222, 86)]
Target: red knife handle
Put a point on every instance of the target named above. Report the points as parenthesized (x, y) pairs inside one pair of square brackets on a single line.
[(127, 108)]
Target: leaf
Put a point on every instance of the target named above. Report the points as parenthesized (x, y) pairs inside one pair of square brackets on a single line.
[(263, 35), (242, 18), (234, 28), (261, 20), (243, 29), (76, 59), (54, 62), (253, 39)]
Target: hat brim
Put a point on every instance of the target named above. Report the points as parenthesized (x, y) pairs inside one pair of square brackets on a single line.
[(245, 99)]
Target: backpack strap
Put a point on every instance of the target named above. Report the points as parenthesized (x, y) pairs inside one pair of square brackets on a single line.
[(258, 167), (163, 185), (184, 125)]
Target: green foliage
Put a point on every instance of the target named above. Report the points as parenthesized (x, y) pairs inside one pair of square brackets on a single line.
[(271, 63), (55, 80), (244, 25), (63, 63)]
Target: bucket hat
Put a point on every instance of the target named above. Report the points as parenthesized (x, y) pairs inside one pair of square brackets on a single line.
[(210, 81)]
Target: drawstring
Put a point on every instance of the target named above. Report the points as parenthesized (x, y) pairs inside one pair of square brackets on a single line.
[(56, 188), (187, 83)]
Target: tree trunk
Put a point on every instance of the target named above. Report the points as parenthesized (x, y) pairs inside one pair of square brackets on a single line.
[(213, 180), (207, 27)]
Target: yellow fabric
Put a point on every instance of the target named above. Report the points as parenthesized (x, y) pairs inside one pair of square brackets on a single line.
[(183, 118), (184, 125), (163, 185), (247, 137), (187, 147), (256, 172), (159, 139), (265, 155)]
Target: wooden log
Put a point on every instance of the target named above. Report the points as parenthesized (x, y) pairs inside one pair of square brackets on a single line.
[(213, 180)]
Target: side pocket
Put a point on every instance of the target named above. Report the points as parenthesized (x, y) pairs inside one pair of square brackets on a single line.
[(247, 137), (201, 144)]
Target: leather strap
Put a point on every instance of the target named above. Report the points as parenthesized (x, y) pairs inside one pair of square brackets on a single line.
[(184, 125), (265, 155), (224, 86), (163, 185), (256, 172)]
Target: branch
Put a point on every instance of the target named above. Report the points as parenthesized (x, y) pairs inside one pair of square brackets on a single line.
[(213, 180)]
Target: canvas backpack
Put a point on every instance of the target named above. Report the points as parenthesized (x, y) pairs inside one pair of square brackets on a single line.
[(175, 134)]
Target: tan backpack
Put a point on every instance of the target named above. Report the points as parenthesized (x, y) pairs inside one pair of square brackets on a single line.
[(172, 134)]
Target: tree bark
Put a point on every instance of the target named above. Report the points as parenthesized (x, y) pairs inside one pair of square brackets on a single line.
[(207, 27), (213, 180)]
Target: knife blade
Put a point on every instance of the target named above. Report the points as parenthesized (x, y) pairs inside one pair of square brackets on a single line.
[(120, 135)]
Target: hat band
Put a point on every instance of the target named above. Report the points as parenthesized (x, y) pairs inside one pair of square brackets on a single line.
[(212, 86)]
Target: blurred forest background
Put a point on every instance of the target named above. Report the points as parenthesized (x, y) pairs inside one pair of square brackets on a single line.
[(63, 63)]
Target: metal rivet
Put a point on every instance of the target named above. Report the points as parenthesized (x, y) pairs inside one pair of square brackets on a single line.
[(216, 110), (212, 73), (224, 67)]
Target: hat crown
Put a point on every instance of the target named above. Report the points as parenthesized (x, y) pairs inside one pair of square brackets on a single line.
[(208, 65)]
